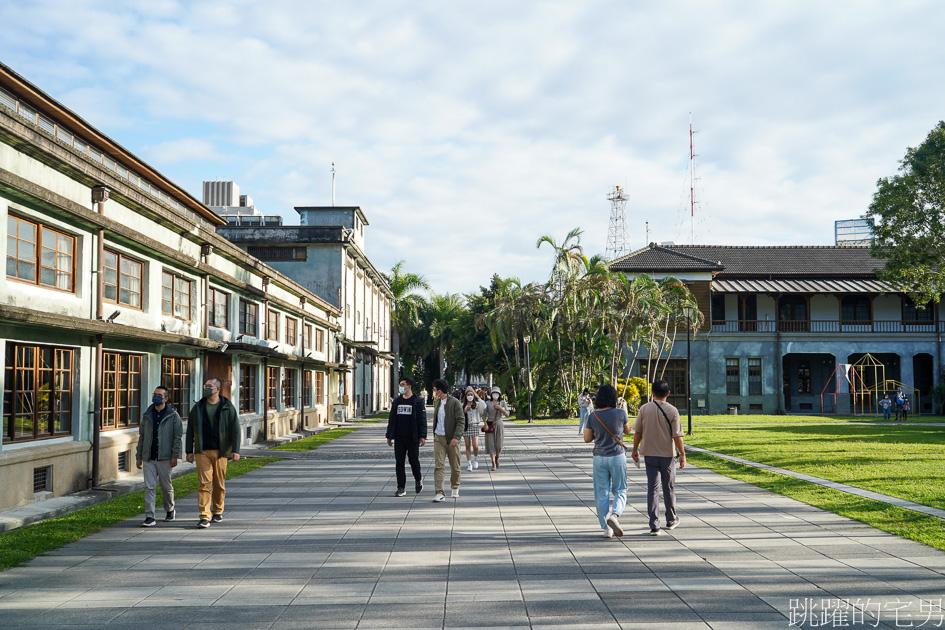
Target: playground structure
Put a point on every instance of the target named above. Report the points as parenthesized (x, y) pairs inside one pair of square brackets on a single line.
[(865, 383)]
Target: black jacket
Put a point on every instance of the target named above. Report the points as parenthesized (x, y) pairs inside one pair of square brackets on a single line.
[(416, 419), (228, 424)]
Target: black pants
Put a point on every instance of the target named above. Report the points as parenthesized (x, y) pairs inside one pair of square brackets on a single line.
[(406, 447)]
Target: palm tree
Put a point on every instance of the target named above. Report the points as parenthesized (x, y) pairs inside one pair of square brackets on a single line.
[(440, 312), (405, 305)]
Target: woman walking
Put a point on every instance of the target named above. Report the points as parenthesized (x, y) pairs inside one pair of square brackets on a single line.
[(475, 408), (496, 411), (605, 426), (584, 406)]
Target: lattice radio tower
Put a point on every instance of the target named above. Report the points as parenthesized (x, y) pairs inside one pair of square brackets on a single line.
[(617, 233)]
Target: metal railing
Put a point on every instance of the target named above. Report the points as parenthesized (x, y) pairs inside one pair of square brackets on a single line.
[(825, 326)]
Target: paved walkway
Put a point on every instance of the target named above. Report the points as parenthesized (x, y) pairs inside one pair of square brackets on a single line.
[(320, 542)]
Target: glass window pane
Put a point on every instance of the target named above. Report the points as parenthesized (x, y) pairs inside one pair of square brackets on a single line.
[(49, 239)]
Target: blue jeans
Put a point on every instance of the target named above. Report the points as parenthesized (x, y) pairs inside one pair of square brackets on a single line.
[(610, 476), (886, 413), (583, 415)]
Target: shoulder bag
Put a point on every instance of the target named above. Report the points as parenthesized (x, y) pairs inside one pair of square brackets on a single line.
[(668, 422), (619, 441)]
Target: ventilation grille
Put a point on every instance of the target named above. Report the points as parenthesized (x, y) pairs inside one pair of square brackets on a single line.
[(41, 479), (123, 461)]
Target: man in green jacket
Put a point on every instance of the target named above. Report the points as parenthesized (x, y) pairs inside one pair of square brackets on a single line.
[(213, 435), (449, 424), (158, 450)]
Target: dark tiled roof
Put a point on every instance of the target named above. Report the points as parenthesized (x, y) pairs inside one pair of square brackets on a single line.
[(766, 261)]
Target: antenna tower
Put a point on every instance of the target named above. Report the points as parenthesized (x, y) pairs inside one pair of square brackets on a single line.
[(617, 233), (692, 187)]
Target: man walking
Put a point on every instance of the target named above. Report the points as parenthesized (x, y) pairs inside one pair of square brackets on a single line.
[(407, 431), (449, 424), (213, 435), (158, 450), (659, 430)]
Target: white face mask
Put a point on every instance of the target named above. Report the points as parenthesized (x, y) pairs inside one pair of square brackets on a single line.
[(495, 397), (470, 397)]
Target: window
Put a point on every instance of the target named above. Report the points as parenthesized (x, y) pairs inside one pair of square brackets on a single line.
[(803, 377), (37, 392), (220, 305), (175, 376), (175, 296), (306, 388), (272, 325), (33, 247), (288, 389), (307, 336), (855, 309), (912, 314), (121, 390), (123, 277), (319, 388), (732, 377), (754, 377), (249, 316), (272, 387), (291, 325), (675, 375), (277, 253), (792, 309), (247, 388), (319, 340)]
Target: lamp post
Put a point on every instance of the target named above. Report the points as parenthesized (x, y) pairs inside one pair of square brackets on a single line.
[(687, 310), (528, 374)]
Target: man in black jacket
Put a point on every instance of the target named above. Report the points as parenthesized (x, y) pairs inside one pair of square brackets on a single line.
[(407, 431), (213, 436)]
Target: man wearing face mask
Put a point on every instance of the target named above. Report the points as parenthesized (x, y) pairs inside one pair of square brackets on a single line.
[(449, 423), (407, 432), (213, 435), (158, 450)]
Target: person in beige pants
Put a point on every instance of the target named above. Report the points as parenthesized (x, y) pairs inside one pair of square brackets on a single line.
[(449, 424)]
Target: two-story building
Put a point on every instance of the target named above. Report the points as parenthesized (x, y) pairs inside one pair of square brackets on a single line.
[(116, 282), (325, 253), (778, 321)]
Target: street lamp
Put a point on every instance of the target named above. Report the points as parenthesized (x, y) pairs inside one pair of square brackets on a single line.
[(528, 374), (688, 308)]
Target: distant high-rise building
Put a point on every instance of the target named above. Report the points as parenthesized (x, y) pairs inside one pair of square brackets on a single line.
[(224, 198), (221, 193)]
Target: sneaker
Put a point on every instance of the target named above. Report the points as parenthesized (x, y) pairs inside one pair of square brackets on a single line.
[(148, 522), (419, 486), (615, 525), (475, 463), (673, 525), (400, 492), (203, 524), (216, 518), (439, 497), (469, 466), (656, 532), (171, 516), (608, 533), (455, 493)]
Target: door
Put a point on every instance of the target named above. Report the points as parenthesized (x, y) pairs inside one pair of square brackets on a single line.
[(219, 365)]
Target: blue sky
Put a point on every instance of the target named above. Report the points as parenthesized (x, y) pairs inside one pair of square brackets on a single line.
[(467, 130)]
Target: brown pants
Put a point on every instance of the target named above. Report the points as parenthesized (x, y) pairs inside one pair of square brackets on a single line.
[(211, 472), (441, 451)]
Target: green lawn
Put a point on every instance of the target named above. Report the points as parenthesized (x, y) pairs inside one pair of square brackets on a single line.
[(24, 544), (700, 420), (311, 443), (903, 461)]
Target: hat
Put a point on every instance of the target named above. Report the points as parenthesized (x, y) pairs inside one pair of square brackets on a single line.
[(495, 390)]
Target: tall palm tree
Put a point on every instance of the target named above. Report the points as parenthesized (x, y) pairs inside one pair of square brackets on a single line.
[(405, 305), (440, 312)]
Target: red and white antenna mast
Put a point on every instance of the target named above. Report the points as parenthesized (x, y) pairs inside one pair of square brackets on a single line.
[(692, 189)]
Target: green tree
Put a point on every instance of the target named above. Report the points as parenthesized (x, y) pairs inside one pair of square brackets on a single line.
[(440, 313), (406, 306), (908, 210)]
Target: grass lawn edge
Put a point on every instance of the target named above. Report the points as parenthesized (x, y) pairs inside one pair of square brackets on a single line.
[(901, 522)]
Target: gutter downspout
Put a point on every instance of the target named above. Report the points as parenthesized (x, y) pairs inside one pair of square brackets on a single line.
[(99, 197)]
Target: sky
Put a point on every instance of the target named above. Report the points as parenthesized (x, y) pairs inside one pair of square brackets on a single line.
[(467, 130)]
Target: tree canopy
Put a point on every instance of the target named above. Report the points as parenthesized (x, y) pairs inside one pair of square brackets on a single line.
[(908, 211)]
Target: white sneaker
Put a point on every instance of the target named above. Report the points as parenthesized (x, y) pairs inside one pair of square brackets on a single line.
[(439, 497), (475, 463), (455, 493), (469, 466), (614, 525), (608, 533)]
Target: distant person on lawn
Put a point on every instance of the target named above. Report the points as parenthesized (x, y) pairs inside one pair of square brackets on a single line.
[(407, 432), (657, 433), (158, 451)]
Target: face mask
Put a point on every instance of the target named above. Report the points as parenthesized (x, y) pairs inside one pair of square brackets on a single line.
[(207, 392), (470, 398), (402, 390), (157, 399), (495, 397)]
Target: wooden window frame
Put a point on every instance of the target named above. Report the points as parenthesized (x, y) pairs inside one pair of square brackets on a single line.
[(245, 308), (119, 408), (118, 276), (306, 388), (272, 388), (319, 345), (291, 330), (248, 373), (319, 388), (215, 295), (854, 302), (176, 376), (733, 386), (59, 377), (177, 281), (38, 248), (804, 378), (306, 336), (289, 398), (272, 325), (755, 376)]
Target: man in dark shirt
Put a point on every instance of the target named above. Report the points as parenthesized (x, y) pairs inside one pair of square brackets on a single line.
[(407, 431)]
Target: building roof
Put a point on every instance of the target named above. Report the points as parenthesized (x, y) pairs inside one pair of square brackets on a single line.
[(801, 285), (766, 261)]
